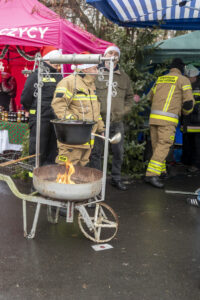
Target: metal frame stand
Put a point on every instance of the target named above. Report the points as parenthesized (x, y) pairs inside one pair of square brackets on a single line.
[(91, 222), (79, 58)]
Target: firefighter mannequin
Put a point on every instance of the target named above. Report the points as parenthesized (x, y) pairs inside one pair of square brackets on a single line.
[(170, 96), (191, 124), (48, 144), (121, 106), (75, 98)]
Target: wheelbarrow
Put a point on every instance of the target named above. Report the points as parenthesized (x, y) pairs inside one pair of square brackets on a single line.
[(99, 224)]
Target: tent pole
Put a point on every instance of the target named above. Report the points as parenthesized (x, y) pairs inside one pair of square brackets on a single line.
[(38, 123)]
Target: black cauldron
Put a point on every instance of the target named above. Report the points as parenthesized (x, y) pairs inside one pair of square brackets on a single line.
[(73, 132)]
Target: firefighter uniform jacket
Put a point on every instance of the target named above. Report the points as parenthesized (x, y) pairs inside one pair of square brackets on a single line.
[(123, 101), (75, 98), (48, 145), (193, 119), (168, 96), (29, 98)]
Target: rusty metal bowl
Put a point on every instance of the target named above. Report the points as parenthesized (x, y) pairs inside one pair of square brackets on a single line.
[(87, 183), (73, 132)]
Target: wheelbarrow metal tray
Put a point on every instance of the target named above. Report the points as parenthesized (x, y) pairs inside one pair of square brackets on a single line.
[(88, 183)]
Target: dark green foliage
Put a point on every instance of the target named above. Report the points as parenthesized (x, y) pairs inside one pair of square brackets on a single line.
[(20, 172)]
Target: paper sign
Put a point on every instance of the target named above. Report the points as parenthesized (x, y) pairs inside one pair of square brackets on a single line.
[(101, 247)]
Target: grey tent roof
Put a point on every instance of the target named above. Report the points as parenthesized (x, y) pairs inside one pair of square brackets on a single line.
[(186, 46)]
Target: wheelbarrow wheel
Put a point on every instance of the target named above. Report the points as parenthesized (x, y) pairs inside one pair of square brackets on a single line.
[(104, 223)]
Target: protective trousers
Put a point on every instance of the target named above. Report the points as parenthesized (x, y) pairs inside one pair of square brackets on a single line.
[(48, 142), (76, 156), (117, 151), (162, 138)]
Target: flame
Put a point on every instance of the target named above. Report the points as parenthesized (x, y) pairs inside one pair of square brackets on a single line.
[(65, 178)]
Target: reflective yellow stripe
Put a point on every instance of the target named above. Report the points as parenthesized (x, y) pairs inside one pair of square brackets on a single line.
[(155, 167), (30, 174), (100, 118), (68, 94), (172, 138), (62, 158), (156, 162), (187, 112), (164, 164), (51, 79), (91, 143), (193, 130), (61, 89), (197, 102), (186, 87), (84, 98), (167, 79), (163, 169), (83, 95), (153, 171), (196, 94), (164, 118), (154, 89), (82, 90), (169, 97), (32, 111), (71, 117)]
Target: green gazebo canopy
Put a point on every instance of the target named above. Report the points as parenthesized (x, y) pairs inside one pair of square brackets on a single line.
[(186, 46)]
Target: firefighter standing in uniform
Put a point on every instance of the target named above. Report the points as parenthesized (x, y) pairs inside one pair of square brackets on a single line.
[(75, 99), (48, 145), (121, 106), (171, 95), (191, 124)]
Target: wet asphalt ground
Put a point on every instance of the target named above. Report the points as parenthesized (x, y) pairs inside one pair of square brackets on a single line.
[(155, 256)]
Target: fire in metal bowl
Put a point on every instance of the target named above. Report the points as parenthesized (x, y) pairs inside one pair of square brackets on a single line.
[(88, 183)]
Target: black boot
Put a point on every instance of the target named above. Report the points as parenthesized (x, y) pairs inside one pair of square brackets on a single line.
[(118, 184), (155, 181), (164, 176)]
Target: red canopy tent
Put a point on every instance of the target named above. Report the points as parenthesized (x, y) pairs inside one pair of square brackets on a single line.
[(30, 25)]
